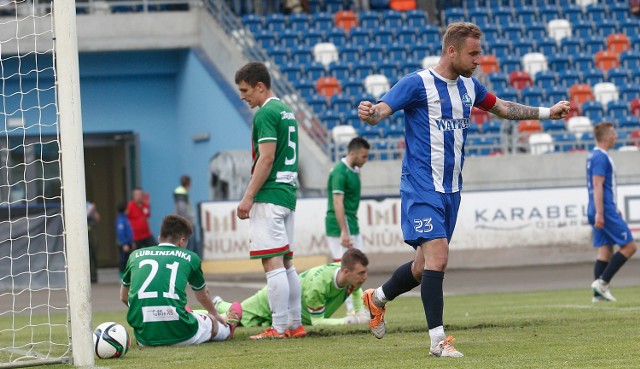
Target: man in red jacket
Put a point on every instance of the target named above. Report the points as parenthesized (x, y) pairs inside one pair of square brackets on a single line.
[(138, 212)]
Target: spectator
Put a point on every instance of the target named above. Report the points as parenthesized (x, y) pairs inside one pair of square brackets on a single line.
[(124, 234), (138, 212)]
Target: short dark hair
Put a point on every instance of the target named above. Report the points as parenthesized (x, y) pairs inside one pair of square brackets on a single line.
[(458, 32), (252, 73), (185, 180), (353, 256), (175, 227), (122, 206), (601, 129), (358, 143)]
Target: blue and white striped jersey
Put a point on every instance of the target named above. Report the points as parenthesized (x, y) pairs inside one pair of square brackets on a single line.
[(437, 112)]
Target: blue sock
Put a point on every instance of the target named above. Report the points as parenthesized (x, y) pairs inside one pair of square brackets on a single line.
[(617, 261), (400, 282), (432, 297), (599, 267)]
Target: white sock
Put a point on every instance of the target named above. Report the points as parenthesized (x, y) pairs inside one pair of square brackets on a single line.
[(437, 335), (348, 303), (223, 332), (295, 298), (379, 293), (278, 293)]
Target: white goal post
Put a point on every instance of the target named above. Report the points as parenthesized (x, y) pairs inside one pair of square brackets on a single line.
[(45, 307)]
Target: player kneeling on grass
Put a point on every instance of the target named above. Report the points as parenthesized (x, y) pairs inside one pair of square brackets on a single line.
[(154, 289), (324, 290)]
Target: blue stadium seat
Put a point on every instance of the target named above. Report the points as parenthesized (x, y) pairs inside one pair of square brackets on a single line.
[(596, 12), (553, 125), (572, 12), (349, 53), (322, 20), (526, 15), (419, 51), (373, 53), (582, 61), (635, 75), (253, 22), (299, 21), (275, 22), (369, 19), (491, 126), (512, 31), (618, 109), (340, 70), (559, 62), (312, 36), (510, 63), (571, 45), (363, 68), (331, 118), (500, 48), (430, 33), (266, 39), (369, 132), (619, 76), (359, 36), (392, 19), (397, 52), (336, 36), (289, 38), (547, 46), (557, 93), (619, 10), (593, 76), (389, 69), (535, 30), (503, 15), (548, 12), (383, 36), (353, 86), (479, 15), (279, 55), (508, 94), (629, 26), (333, 6), (594, 44), (315, 6), (351, 118), (318, 103), (546, 79), (409, 66), (314, 70), (491, 32), (392, 131), (473, 129), (307, 88), (292, 71), (606, 27), (451, 15), (342, 102), (593, 109), (302, 55), (630, 59), (582, 28), (407, 35), (629, 122), (532, 96), (523, 46), (416, 18), (498, 81), (629, 91), (635, 42), (564, 141), (569, 77)]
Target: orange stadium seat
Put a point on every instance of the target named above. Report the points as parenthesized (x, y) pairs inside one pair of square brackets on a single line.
[(402, 5), (580, 93), (635, 107), (479, 116), (489, 64), (520, 79), (529, 126), (346, 19), (635, 137), (328, 86), (618, 42), (606, 60)]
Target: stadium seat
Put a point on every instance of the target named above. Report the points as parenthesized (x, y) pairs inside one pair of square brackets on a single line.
[(292, 71), (253, 22), (488, 64), (594, 44), (605, 92), (556, 93), (540, 143), (491, 32), (369, 20), (318, 103), (419, 51), (593, 109), (373, 53), (559, 29), (479, 116), (392, 19), (383, 36), (606, 27), (359, 36), (341, 102), (314, 70), (402, 5), (337, 36), (525, 14), (559, 62), (629, 91), (409, 66), (328, 86), (406, 35), (564, 141), (546, 79), (523, 46), (618, 76), (579, 124), (533, 63), (299, 21), (362, 68), (340, 70), (416, 18), (582, 61), (629, 122), (548, 12), (305, 87), (630, 59), (593, 76), (473, 128), (498, 81), (510, 63), (503, 15), (333, 6), (279, 55), (491, 126), (535, 30), (529, 126), (520, 79), (606, 60), (322, 20), (397, 52), (512, 31), (430, 34), (479, 15), (389, 69), (275, 22), (596, 12), (580, 93), (618, 42), (346, 19), (376, 85), (571, 45), (629, 26), (352, 86), (532, 96), (289, 38), (572, 12), (343, 134), (325, 53), (634, 107), (430, 61), (508, 94), (330, 119), (569, 77), (582, 28), (553, 126), (547, 46), (349, 53), (618, 109), (312, 37), (451, 15), (266, 39), (378, 4)]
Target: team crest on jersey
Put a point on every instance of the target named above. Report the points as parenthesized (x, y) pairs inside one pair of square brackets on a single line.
[(466, 100)]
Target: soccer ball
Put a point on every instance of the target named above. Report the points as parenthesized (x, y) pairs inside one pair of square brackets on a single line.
[(111, 340)]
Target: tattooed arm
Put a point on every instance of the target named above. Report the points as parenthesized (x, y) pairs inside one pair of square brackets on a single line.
[(373, 114), (514, 111)]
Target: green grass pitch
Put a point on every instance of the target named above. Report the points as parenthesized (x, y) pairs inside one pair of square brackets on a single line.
[(556, 329)]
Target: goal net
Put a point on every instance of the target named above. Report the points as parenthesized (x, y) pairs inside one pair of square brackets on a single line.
[(45, 316)]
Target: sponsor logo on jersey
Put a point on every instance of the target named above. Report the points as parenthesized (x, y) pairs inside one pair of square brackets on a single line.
[(159, 313), (466, 100), (178, 253), (287, 115), (452, 124)]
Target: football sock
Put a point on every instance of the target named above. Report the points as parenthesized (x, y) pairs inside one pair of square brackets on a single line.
[(436, 334), (617, 261), (432, 297), (400, 282), (599, 268), (223, 332), (379, 297), (295, 298), (278, 293)]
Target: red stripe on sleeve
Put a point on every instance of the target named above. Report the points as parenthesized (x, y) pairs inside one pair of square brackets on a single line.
[(488, 102)]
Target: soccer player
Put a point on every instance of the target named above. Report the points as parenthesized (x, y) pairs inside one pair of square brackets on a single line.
[(269, 201), (437, 103), (324, 289), (341, 221), (153, 287), (608, 226)]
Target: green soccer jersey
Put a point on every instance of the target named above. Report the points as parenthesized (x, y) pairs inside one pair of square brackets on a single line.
[(343, 180), (321, 298), (157, 277), (275, 122)]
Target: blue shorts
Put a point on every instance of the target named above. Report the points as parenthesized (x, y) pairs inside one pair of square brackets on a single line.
[(615, 231), (427, 217)]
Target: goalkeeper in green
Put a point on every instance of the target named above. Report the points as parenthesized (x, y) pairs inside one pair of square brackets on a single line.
[(324, 290)]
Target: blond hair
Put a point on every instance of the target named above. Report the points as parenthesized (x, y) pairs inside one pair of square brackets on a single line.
[(458, 32), (601, 129)]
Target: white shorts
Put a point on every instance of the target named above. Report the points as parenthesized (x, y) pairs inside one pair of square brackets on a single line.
[(205, 326), (270, 231), (337, 250)]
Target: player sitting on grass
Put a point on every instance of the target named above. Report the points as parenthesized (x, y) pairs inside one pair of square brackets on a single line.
[(324, 290), (153, 287)]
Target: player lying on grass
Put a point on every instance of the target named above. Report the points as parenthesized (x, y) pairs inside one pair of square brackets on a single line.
[(324, 290), (153, 287)]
